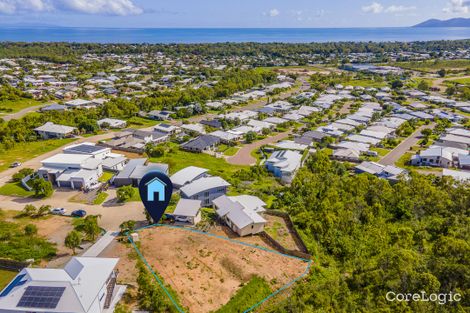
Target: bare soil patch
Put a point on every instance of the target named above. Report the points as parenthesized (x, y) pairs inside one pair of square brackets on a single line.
[(206, 271)]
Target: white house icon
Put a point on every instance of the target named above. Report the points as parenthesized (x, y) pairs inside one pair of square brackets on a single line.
[(153, 186)]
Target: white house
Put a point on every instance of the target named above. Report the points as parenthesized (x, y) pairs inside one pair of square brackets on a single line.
[(188, 211), (241, 213), (284, 164), (51, 130), (84, 285), (112, 123), (205, 189), (188, 175)]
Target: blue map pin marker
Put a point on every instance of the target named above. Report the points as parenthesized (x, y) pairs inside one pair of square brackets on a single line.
[(155, 190)]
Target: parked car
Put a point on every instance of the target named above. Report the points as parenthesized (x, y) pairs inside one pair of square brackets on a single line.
[(58, 211), (79, 213), (15, 164)]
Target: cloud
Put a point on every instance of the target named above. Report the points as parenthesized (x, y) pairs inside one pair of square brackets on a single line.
[(274, 12), (374, 7), (458, 7), (377, 8), (399, 9), (103, 7), (14, 6)]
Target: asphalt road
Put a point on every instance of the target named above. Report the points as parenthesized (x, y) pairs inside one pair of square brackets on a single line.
[(392, 157)]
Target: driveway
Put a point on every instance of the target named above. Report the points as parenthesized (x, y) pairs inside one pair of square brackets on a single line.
[(393, 156), (243, 156)]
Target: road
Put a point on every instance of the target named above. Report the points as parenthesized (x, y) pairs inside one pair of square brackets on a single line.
[(393, 156), (21, 113), (243, 156)]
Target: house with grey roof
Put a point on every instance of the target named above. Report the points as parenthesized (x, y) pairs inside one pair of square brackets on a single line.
[(284, 164), (242, 214), (188, 175), (51, 130), (187, 211), (111, 123), (205, 189), (201, 143), (135, 169)]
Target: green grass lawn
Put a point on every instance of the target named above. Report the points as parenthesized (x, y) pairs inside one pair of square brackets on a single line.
[(25, 151), (380, 151), (253, 292), (106, 176), (463, 81), (15, 189), (6, 277), (140, 122), (9, 106), (100, 198), (231, 151), (136, 196), (178, 159), (433, 65)]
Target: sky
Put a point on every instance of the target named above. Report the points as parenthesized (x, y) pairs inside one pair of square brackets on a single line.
[(223, 13)]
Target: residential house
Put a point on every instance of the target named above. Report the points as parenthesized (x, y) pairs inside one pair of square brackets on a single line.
[(51, 130), (241, 215), (167, 128), (84, 285), (346, 155), (160, 115), (205, 189), (187, 211), (111, 123), (284, 164), (188, 175), (135, 170), (201, 143)]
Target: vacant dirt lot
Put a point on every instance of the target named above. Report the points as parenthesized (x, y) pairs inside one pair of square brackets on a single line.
[(205, 271)]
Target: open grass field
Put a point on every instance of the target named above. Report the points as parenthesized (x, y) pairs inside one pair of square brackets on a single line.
[(6, 277), (208, 273), (25, 151), (463, 81), (9, 106), (140, 122), (15, 189), (432, 66), (178, 159)]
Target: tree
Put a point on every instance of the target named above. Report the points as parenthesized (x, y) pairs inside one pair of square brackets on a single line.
[(151, 296), (42, 188), (397, 84), (127, 227), (29, 210), (442, 73), (43, 210), (30, 230), (423, 85), (125, 193), (250, 136), (89, 226), (22, 174), (73, 240)]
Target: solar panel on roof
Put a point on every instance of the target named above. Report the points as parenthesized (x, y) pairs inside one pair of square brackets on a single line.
[(86, 148), (41, 297)]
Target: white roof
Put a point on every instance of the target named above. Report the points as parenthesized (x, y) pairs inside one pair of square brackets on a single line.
[(285, 160), (198, 128), (203, 184), (55, 128), (186, 175), (457, 175), (67, 159), (250, 202), (82, 278), (187, 207)]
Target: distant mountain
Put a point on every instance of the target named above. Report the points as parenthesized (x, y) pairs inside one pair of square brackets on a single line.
[(454, 22)]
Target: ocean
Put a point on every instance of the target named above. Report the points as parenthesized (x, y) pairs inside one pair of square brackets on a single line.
[(214, 35)]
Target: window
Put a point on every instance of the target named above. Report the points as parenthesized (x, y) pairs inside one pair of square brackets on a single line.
[(206, 194)]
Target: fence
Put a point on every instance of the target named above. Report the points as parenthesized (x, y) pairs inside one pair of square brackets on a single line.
[(290, 225)]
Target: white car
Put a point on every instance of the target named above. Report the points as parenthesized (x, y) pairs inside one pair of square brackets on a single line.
[(58, 211)]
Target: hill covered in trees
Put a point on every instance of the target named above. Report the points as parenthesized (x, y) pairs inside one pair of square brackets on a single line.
[(369, 237)]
